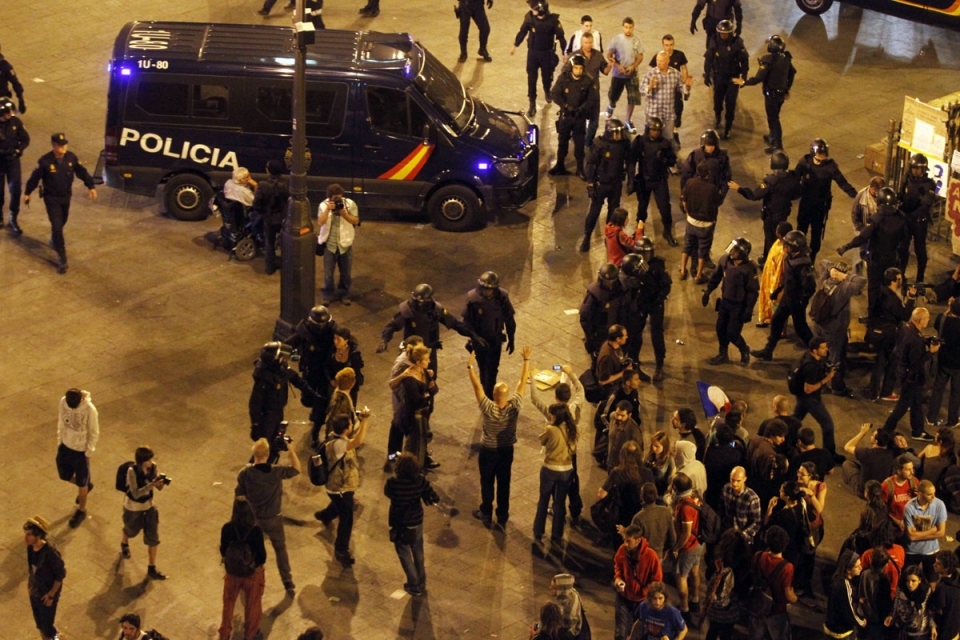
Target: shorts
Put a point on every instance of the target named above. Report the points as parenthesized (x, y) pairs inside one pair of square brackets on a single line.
[(687, 560), (73, 466), (147, 521), (632, 85), (697, 241)]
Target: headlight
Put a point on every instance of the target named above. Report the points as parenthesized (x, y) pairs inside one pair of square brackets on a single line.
[(508, 169)]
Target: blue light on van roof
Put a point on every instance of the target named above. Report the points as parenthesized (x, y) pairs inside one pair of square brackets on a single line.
[(483, 166), (125, 71), (109, 67)]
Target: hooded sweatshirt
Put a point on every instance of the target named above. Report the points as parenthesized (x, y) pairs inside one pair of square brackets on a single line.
[(569, 601), (619, 241), (637, 573), (79, 429), (687, 463)]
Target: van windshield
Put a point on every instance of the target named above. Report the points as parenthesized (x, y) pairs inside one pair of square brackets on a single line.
[(445, 91)]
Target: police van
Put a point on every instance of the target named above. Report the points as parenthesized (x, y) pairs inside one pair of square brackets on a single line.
[(190, 102), (940, 13)]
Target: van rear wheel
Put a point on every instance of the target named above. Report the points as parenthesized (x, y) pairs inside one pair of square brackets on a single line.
[(815, 7), (454, 208), (186, 197)]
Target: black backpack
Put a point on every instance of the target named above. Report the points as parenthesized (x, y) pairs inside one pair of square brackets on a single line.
[(238, 559), (709, 528), (822, 305), (794, 383), (319, 467), (759, 601)]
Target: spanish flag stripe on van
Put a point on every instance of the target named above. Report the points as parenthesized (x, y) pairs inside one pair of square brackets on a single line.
[(409, 167)]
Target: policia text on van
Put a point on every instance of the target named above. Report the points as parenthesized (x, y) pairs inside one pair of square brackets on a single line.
[(190, 102)]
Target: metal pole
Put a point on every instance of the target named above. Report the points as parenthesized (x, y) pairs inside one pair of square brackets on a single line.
[(298, 240)]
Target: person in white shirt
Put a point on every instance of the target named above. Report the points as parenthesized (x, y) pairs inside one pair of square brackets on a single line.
[(338, 218), (240, 187), (78, 431)]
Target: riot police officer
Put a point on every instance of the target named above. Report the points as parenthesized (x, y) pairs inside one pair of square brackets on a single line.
[(776, 73), (887, 233), (577, 99), (421, 315), (798, 286), (313, 340), (13, 140), (542, 30), (817, 171), (648, 170), (717, 160), (726, 58), (778, 190), (601, 308), (8, 78), (917, 195), (466, 11), (741, 288), (717, 11), (646, 285), (606, 169), (271, 378), (489, 313)]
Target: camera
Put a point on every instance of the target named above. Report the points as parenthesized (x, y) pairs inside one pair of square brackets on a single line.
[(363, 413), (833, 367), (933, 340), (556, 367), (164, 478), (627, 363)]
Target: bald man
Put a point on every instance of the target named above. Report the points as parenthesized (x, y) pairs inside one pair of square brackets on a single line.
[(741, 506), (913, 352)]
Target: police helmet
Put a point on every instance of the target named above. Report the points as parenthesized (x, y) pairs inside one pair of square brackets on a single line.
[(779, 161), (797, 241), (489, 280), (578, 60), (319, 317), (633, 265), (917, 160), (273, 351), (6, 106), (614, 128), (725, 26), (819, 145), (608, 272), (645, 248), (540, 6), (709, 137), (775, 44), (742, 246), (422, 293), (887, 197), (655, 123)]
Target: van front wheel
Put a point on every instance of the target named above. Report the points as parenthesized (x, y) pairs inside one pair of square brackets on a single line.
[(186, 197), (454, 208), (815, 7)]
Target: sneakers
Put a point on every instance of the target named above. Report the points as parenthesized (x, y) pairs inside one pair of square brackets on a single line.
[(125, 550), (154, 574), (630, 128), (923, 436), (78, 517), (609, 112), (720, 358), (893, 397)]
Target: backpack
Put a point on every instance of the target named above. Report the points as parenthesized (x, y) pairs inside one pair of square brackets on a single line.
[(122, 475), (821, 305), (709, 527), (238, 559), (794, 383), (760, 597), (319, 466)]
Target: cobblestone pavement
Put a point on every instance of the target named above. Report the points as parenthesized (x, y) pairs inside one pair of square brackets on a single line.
[(163, 331)]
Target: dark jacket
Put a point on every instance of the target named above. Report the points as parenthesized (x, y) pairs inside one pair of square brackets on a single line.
[(271, 199), (269, 396), (886, 233), (776, 72), (600, 310), (315, 347), (423, 320), (945, 603), (720, 9), (607, 161), (948, 357), (231, 533), (542, 32), (816, 180), (917, 195), (741, 284), (650, 161), (13, 138), (842, 292), (45, 567), (575, 97), (778, 190), (726, 59), (799, 283), (912, 355), (407, 496), (57, 177), (889, 311), (646, 292), (719, 164), (490, 317), (701, 199), (9, 77)]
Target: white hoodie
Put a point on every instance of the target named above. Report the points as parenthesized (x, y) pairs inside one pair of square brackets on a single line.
[(79, 429)]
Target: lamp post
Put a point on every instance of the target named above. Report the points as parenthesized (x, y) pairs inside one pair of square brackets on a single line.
[(298, 240)]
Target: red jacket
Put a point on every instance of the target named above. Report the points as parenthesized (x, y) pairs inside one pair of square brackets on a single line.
[(647, 571), (618, 242)]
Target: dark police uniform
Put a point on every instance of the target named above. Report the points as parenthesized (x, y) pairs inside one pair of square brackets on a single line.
[(268, 398), (599, 311), (887, 234), (424, 319), (799, 285), (315, 346), (57, 178), (917, 195), (270, 201), (489, 318), (13, 140), (606, 169), (314, 13), (816, 196), (776, 73), (541, 34), (724, 61), (577, 99), (678, 59), (644, 299), (778, 190), (741, 288), (596, 64), (648, 171), (719, 164), (9, 77), (468, 10), (717, 10)]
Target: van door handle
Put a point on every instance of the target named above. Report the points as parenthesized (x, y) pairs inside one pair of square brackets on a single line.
[(372, 146), (341, 145)]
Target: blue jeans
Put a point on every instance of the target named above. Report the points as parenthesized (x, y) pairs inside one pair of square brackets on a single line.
[(343, 262), (775, 627), (815, 407), (553, 484), (411, 559)]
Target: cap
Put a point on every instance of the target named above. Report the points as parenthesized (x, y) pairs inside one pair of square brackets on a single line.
[(58, 139), (39, 523), (563, 580)]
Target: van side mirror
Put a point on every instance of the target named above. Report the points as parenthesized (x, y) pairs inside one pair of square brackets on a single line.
[(427, 134)]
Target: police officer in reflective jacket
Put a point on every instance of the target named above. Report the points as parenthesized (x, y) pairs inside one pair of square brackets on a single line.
[(313, 340), (717, 12), (8, 78), (778, 190), (466, 11), (917, 195), (422, 316), (271, 378), (648, 170), (601, 308), (646, 285), (13, 140), (606, 170), (776, 73), (489, 313), (577, 99), (726, 58), (817, 172), (798, 285), (741, 288), (542, 30)]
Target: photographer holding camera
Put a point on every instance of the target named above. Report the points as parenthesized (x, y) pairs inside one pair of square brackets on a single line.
[(913, 350), (338, 217), (262, 484), (139, 514), (812, 374)]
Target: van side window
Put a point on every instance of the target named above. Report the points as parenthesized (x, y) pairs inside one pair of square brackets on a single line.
[(210, 101), (325, 107), (163, 98), (391, 111)]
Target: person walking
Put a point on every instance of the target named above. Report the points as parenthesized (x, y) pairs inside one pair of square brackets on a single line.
[(606, 169), (14, 140), (243, 556), (777, 190), (338, 218), (814, 372), (648, 172), (467, 10), (798, 287), (542, 30), (776, 74), (8, 78), (408, 490), (917, 195), (78, 431), (139, 514), (662, 86), (817, 172), (771, 277), (576, 98), (741, 287), (625, 53), (717, 11), (913, 352), (701, 201), (726, 58), (46, 575)]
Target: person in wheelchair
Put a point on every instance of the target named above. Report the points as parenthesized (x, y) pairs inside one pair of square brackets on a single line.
[(234, 202)]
